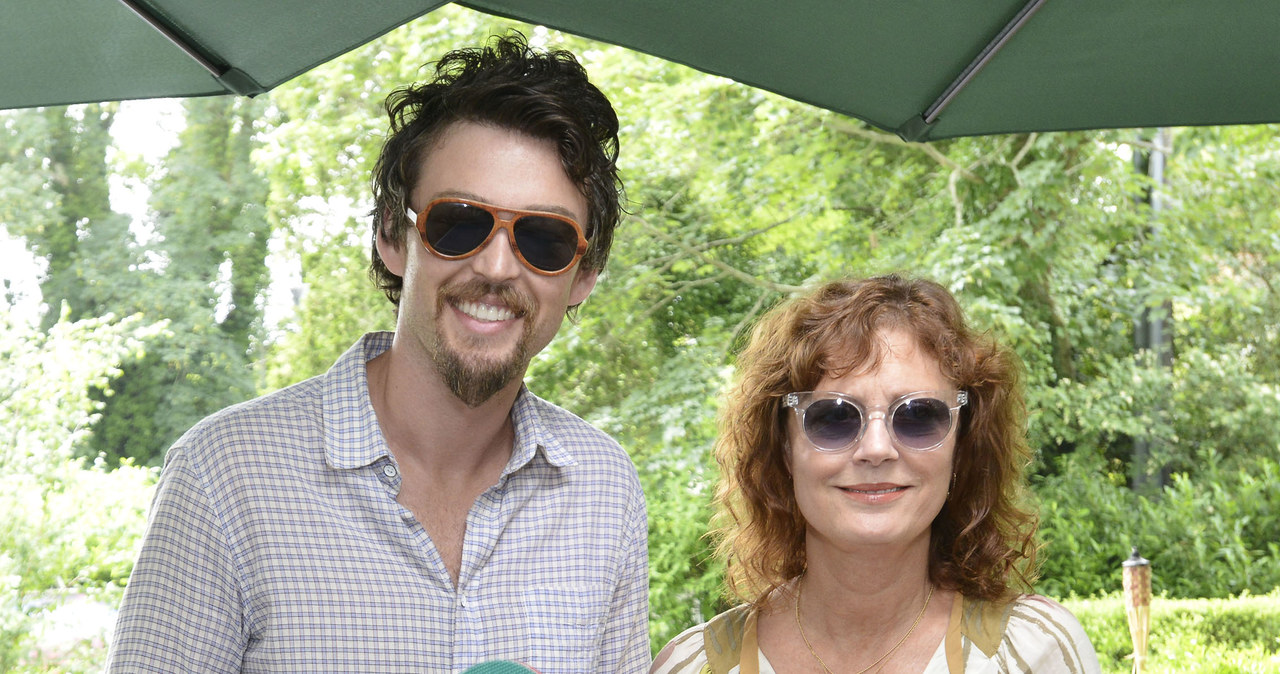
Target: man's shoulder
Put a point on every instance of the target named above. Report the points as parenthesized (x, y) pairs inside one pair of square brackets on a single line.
[(289, 412), (568, 440), (573, 431), (558, 419)]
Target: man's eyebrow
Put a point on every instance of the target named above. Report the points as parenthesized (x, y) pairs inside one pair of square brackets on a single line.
[(471, 196)]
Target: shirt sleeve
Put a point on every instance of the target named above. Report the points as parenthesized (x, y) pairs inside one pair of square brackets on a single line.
[(626, 639), (1044, 637), (684, 654), (182, 607)]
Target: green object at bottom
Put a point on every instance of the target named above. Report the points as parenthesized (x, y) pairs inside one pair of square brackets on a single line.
[(498, 667)]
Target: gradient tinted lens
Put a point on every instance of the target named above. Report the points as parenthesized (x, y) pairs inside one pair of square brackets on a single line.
[(550, 244), (921, 423), (454, 229), (832, 423)]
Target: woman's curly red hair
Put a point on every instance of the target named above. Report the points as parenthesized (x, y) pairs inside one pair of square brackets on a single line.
[(982, 542)]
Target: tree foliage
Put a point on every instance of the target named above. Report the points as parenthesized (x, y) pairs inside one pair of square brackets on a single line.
[(207, 274), (736, 199), (54, 170), (201, 267), (68, 528)]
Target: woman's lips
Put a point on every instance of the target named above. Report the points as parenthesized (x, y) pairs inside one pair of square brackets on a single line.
[(876, 493)]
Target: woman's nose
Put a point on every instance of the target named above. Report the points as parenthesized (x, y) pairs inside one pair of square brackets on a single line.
[(876, 445)]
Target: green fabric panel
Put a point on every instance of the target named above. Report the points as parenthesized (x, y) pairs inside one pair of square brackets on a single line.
[(1077, 64)]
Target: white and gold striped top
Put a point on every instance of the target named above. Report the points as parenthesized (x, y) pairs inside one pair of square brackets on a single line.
[(1029, 633)]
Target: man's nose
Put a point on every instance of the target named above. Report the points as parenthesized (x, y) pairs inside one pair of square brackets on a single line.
[(498, 261)]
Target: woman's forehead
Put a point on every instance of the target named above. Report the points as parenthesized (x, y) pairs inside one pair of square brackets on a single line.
[(866, 353)]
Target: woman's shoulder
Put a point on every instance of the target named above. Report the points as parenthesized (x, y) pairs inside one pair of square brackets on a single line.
[(695, 650), (1031, 631), (1026, 605)]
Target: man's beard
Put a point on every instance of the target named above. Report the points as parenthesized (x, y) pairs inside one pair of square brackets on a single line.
[(475, 380)]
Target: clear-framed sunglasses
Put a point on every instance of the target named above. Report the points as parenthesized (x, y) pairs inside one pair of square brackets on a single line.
[(835, 422)]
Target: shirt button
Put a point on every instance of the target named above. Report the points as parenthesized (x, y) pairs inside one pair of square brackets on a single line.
[(389, 470)]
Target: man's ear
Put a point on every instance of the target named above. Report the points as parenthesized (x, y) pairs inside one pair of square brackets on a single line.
[(391, 252), (584, 281)]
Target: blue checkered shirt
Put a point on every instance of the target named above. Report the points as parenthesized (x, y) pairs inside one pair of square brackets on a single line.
[(275, 544)]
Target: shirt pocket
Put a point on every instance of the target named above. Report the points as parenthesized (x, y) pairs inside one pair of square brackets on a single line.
[(566, 624)]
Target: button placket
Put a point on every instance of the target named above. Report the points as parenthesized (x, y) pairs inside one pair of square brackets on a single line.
[(388, 474)]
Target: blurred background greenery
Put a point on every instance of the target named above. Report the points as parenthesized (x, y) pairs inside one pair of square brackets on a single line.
[(244, 271)]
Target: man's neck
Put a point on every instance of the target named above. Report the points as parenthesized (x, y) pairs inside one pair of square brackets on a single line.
[(448, 453), (424, 422)]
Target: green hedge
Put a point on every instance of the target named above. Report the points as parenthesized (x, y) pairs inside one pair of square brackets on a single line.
[(1211, 535), (1188, 635)]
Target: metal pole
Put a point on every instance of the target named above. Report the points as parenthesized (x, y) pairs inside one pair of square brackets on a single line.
[(1151, 332), (234, 80)]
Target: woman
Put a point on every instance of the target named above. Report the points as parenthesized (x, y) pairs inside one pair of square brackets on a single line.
[(872, 457)]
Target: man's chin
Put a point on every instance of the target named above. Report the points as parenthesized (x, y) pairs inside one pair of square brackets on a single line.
[(474, 381)]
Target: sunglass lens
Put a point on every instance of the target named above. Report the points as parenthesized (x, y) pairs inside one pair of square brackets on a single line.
[(456, 229), (832, 424), (546, 243), (921, 423)]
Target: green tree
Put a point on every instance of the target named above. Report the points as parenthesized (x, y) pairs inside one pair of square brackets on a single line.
[(53, 163), (68, 529), (207, 275)]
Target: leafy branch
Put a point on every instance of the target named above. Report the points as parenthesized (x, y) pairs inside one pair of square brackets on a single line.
[(699, 252), (845, 126)]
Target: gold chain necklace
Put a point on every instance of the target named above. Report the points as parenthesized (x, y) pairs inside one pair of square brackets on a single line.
[(882, 658)]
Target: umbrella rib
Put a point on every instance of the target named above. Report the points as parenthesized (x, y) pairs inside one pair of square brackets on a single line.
[(234, 79), (988, 52)]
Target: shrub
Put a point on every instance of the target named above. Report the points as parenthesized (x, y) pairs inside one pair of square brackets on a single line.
[(67, 544), (69, 533), (14, 623), (1213, 535), (1240, 634)]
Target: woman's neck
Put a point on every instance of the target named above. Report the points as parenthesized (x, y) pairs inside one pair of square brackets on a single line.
[(867, 598), (857, 609)]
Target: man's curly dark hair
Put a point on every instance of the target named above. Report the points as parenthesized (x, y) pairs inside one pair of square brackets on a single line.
[(507, 84)]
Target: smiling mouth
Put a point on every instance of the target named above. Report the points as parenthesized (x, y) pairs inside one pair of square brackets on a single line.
[(873, 492), (485, 312)]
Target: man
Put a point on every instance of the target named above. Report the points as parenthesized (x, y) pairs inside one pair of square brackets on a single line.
[(416, 508)]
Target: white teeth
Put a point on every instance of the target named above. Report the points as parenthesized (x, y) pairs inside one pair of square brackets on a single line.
[(875, 491), (486, 312)]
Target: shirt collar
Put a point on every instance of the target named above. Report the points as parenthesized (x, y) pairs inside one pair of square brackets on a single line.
[(533, 434), (353, 438)]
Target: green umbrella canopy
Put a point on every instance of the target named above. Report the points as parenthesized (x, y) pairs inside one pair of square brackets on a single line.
[(925, 69)]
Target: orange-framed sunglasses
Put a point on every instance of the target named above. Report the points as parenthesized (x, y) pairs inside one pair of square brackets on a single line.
[(455, 229)]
